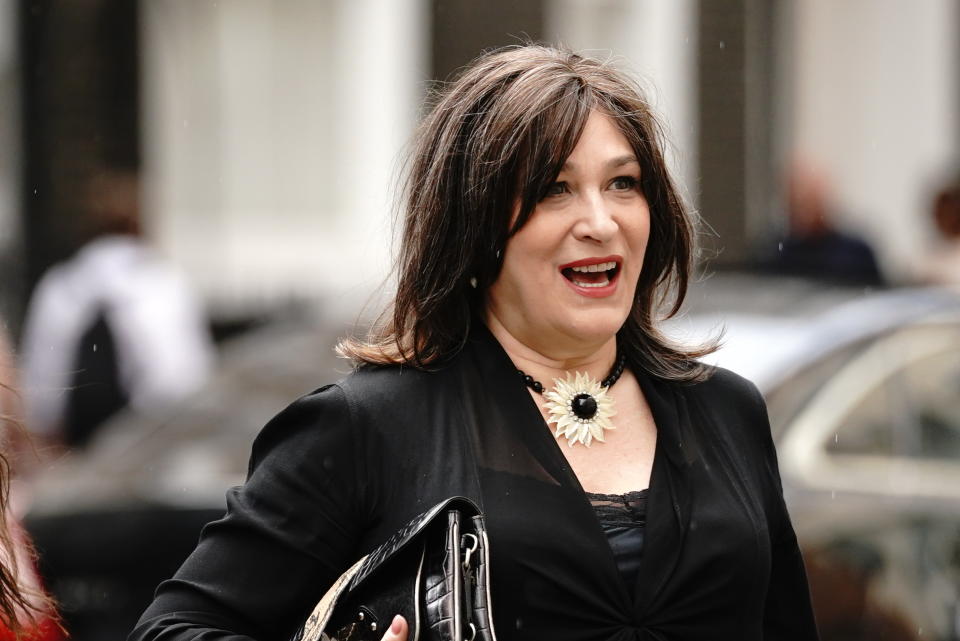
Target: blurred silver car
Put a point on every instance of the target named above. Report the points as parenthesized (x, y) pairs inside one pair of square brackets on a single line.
[(863, 391), (864, 398)]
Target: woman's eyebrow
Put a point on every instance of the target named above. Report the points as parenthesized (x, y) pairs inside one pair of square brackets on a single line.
[(613, 163), (620, 161)]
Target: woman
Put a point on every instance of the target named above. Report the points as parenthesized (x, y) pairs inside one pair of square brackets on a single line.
[(542, 232), (25, 611)]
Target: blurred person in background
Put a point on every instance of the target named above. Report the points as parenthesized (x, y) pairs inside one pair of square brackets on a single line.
[(25, 611), (941, 265), (813, 247), (113, 326), (542, 233), (17, 448), (9, 400)]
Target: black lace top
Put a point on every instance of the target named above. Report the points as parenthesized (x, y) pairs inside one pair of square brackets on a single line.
[(623, 518)]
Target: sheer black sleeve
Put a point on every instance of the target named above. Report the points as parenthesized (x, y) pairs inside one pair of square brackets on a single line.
[(288, 533)]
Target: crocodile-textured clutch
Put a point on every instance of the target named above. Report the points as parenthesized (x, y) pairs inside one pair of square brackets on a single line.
[(434, 571)]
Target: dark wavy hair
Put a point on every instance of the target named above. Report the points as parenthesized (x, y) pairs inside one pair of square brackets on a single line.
[(495, 140), (13, 601), (22, 608)]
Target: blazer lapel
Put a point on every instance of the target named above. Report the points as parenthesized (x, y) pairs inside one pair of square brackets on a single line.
[(503, 389), (518, 411), (669, 500)]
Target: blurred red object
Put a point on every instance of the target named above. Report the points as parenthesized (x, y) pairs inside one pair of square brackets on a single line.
[(44, 625), (46, 629)]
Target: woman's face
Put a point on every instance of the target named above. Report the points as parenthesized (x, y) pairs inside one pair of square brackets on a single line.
[(570, 273)]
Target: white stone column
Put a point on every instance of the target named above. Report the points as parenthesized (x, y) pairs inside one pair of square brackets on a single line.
[(271, 133), (381, 66)]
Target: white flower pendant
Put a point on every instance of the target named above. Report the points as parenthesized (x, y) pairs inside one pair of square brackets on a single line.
[(581, 408)]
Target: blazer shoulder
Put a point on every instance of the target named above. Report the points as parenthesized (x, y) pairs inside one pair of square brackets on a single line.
[(355, 408), (341, 406), (735, 403), (728, 386), (321, 415), (384, 388)]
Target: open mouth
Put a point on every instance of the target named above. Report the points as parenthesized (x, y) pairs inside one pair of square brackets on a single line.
[(593, 275)]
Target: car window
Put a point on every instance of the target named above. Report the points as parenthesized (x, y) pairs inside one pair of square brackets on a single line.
[(914, 411), (786, 400)]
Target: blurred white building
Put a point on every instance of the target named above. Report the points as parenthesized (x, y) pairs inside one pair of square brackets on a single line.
[(272, 132)]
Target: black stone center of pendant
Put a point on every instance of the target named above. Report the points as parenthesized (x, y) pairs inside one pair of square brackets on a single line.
[(584, 406)]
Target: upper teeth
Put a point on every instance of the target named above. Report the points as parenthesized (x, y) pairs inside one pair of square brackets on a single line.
[(598, 267)]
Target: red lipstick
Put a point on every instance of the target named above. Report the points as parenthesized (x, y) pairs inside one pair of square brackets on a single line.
[(589, 284)]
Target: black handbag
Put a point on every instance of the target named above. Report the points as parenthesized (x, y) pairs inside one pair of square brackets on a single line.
[(435, 571)]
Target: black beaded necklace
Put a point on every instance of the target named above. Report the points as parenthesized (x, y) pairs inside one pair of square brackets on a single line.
[(584, 406)]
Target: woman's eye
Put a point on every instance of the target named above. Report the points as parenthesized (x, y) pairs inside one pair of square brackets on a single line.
[(555, 189), (624, 183)]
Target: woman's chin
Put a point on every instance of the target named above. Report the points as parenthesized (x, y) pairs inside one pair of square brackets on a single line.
[(595, 327)]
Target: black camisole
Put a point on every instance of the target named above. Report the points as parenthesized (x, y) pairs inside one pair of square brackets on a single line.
[(623, 519)]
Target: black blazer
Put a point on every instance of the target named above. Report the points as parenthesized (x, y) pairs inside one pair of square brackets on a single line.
[(334, 474)]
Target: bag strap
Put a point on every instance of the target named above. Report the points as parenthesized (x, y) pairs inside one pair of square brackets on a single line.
[(405, 535), (312, 629)]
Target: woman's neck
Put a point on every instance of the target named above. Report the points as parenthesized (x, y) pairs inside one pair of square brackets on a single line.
[(547, 360)]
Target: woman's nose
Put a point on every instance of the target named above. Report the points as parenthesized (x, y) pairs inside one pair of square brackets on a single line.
[(596, 221)]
